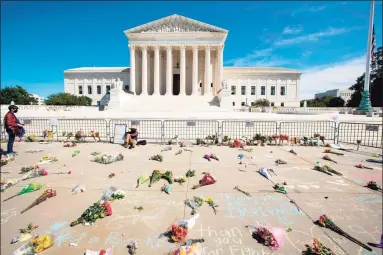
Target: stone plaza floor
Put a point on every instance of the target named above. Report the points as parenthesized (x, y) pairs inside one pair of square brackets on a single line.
[(353, 207)]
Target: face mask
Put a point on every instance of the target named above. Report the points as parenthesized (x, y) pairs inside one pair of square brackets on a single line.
[(15, 110)]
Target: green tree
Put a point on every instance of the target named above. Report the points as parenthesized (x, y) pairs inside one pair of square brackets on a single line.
[(376, 83), (17, 94), (261, 102), (336, 102), (67, 99)]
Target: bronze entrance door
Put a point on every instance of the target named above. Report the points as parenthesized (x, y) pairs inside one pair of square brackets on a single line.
[(176, 84)]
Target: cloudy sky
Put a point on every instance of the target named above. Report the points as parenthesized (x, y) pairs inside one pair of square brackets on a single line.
[(325, 40)]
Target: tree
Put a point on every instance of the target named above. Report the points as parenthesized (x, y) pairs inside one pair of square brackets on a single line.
[(261, 103), (376, 81), (17, 94), (336, 102), (67, 99)]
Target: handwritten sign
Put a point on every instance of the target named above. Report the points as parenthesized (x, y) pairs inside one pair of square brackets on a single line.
[(119, 133)]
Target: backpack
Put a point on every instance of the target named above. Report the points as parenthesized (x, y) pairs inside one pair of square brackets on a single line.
[(142, 142)]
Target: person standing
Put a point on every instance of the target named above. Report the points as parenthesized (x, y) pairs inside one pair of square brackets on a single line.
[(12, 126)]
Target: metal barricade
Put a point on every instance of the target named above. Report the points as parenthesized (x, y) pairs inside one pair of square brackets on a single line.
[(369, 134), (147, 129), (308, 129), (189, 129), (240, 129), (36, 127), (65, 126)]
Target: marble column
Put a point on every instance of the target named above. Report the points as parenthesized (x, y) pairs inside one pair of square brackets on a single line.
[(169, 71), (195, 71), (182, 70), (156, 90), (144, 50), (207, 86), (220, 67), (297, 88), (132, 86)]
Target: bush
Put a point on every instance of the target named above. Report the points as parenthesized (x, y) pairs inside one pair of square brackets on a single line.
[(67, 99), (261, 103)]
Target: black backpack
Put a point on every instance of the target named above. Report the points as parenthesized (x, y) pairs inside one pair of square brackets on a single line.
[(142, 142)]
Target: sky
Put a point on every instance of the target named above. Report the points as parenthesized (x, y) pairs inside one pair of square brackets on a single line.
[(327, 41)]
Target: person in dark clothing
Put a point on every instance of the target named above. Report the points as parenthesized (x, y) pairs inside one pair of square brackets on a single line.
[(131, 137), (12, 126)]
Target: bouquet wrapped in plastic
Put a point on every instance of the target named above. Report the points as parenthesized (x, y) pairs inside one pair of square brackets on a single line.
[(208, 179), (194, 203), (193, 249), (158, 175), (210, 156), (36, 245), (333, 152), (363, 167), (27, 189), (271, 237), (326, 157), (7, 183), (331, 170), (178, 231), (94, 212), (142, 179), (293, 152), (132, 247), (35, 173), (322, 169), (47, 160), (180, 180), (279, 188), (265, 173), (373, 185), (318, 248), (48, 193), (108, 158), (157, 157), (190, 173)]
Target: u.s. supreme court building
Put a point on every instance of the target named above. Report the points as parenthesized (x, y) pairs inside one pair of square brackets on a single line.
[(180, 57)]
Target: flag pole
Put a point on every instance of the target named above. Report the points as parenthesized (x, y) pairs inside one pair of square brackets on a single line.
[(365, 103)]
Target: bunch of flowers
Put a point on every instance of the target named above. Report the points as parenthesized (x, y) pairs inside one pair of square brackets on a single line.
[(305, 140), (48, 193), (41, 243), (321, 138), (326, 157), (373, 185), (280, 162), (178, 233), (27, 189), (190, 173), (244, 192), (48, 134), (284, 138), (316, 135), (186, 249), (157, 157), (30, 138), (279, 188), (326, 222), (79, 136), (95, 211), (47, 160), (322, 169), (108, 158), (35, 173), (75, 153), (182, 144), (210, 156), (95, 135), (332, 152), (358, 143), (293, 152), (27, 169), (208, 179), (132, 247), (271, 237), (212, 204), (169, 148), (265, 172), (7, 183), (317, 249), (142, 179), (360, 165), (180, 180), (178, 152), (331, 170), (69, 135), (28, 229), (158, 175), (111, 175), (194, 203), (70, 144), (167, 188), (118, 194), (236, 144)]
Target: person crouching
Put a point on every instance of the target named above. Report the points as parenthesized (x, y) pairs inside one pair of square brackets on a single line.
[(131, 138)]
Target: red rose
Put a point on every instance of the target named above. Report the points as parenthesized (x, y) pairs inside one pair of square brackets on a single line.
[(69, 172), (102, 252)]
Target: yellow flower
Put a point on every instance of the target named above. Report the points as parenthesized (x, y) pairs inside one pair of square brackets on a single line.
[(209, 200), (327, 150)]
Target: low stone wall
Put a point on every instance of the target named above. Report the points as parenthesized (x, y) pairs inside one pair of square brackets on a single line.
[(307, 110), (4, 108)]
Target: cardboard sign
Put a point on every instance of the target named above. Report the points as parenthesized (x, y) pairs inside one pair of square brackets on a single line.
[(119, 133)]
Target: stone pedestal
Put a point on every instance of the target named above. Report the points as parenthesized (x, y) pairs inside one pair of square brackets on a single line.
[(224, 97), (115, 98), (364, 105)]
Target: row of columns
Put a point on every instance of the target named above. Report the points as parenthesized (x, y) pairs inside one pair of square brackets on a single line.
[(169, 68)]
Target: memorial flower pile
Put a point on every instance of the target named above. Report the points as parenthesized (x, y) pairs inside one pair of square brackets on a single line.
[(194, 203), (96, 211), (333, 152), (157, 157), (108, 158), (208, 179), (326, 222), (317, 249), (270, 237), (132, 247), (48, 193), (373, 185), (27, 189), (158, 175), (244, 192), (326, 157), (363, 166), (279, 188)]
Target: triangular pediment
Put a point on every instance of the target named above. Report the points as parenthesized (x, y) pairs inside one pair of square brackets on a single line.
[(175, 23)]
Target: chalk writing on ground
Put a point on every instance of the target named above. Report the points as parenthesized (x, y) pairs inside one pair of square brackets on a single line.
[(7, 214)]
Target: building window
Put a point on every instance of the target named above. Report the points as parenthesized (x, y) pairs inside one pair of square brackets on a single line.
[(200, 84), (272, 91), (89, 90), (211, 85), (243, 90), (253, 90), (233, 90), (107, 88), (98, 90), (233, 103), (242, 103), (263, 90), (272, 104), (282, 104), (80, 90), (283, 91)]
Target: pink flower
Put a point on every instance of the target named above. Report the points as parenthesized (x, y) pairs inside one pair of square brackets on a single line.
[(69, 172)]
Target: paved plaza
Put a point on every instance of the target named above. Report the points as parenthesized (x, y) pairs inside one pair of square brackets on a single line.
[(353, 207)]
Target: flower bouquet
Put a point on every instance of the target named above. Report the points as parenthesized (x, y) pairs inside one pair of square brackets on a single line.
[(35, 173), (27, 169), (210, 156), (167, 188), (190, 173), (169, 148), (332, 152), (208, 179), (280, 162), (132, 247), (180, 180), (318, 249), (157, 157), (48, 193), (118, 194), (158, 175), (41, 243), (28, 229), (326, 222), (95, 211), (271, 237), (244, 192), (178, 233), (186, 249), (95, 135), (363, 166), (212, 204), (322, 169), (47, 160), (194, 204), (75, 153), (293, 152), (70, 144), (279, 188), (236, 144), (326, 157), (331, 170), (24, 233), (111, 175), (30, 138), (358, 143), (321, 138), (108, 158), (27, 189), (79, 136), (142, 179), (178, 152), (265, 173), (7, 183), (373, 185)]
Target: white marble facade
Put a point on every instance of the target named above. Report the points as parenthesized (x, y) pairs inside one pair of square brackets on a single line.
[(178, 56)]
